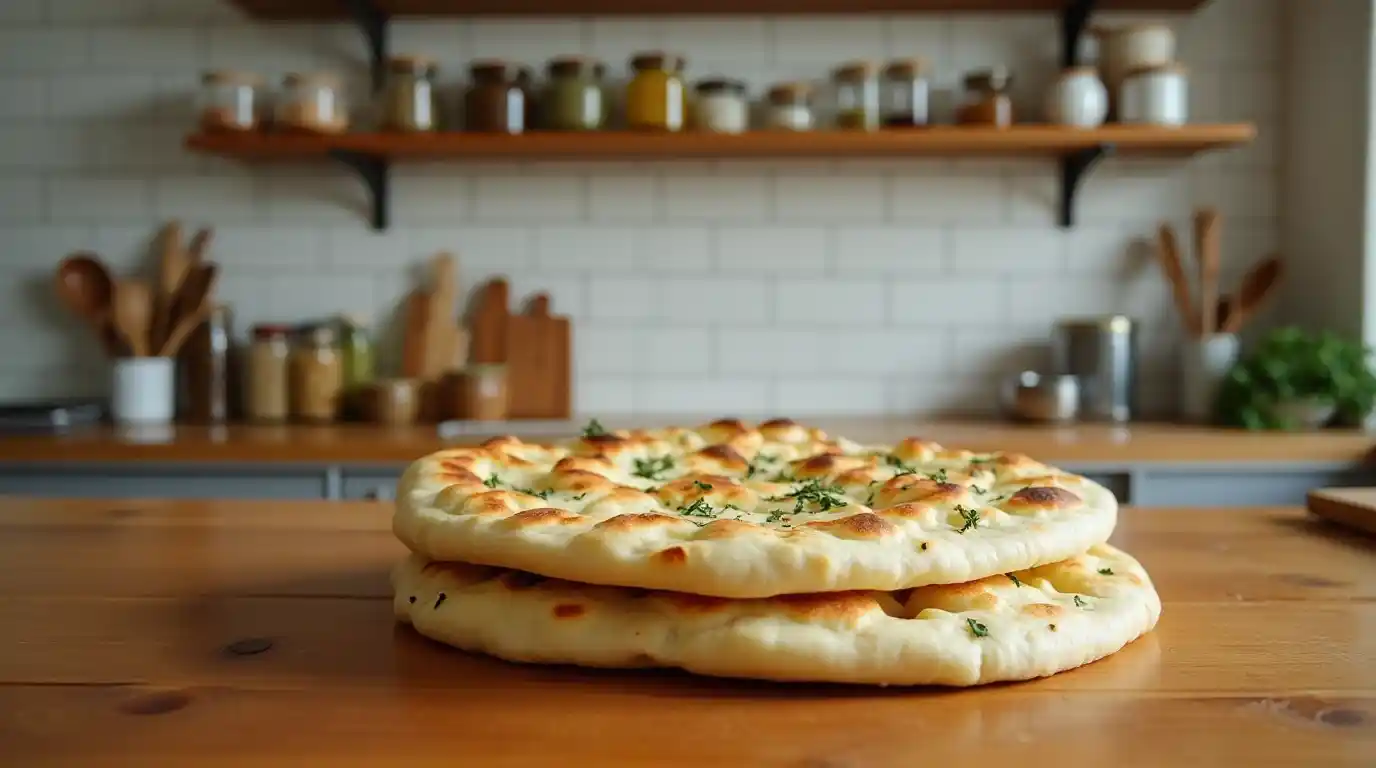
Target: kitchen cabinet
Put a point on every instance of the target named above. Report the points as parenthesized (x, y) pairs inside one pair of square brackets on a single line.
[(164, 481)]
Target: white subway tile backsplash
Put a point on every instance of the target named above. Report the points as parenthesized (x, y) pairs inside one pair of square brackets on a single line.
[(830, 302), (889, 250), (748, 286), (772, 250), (973, 301)]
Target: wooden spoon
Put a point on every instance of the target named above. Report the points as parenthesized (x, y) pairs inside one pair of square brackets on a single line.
[(132, 314), (1168, 254), (172, 268), (84, 285), (200, 243), (1257, 285), (183, 330)]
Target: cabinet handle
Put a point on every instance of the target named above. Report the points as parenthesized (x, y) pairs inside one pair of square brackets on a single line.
[(378, 494)]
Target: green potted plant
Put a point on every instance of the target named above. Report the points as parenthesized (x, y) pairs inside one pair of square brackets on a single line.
[(1294, 379)]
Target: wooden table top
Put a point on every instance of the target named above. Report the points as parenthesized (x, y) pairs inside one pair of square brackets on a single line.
[(121, 622), (1145, 442)]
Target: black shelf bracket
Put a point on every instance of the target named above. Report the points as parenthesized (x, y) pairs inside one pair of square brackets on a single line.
[(1074, 17), (1073, 170), (376, 173), (372, 21)]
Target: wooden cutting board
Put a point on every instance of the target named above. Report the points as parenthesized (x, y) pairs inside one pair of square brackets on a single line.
[(538, 362), (487, 341), (1352, 507)]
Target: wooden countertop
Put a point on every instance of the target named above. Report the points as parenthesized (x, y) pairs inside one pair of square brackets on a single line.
[(1146, 442), (119, 618)]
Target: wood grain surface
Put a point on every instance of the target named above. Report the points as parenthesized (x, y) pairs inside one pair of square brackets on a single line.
[(226, 633), (1145, 442), (1021, 140)]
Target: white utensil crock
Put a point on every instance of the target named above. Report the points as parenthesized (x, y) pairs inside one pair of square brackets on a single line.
[(1206, 361), (143, 390)]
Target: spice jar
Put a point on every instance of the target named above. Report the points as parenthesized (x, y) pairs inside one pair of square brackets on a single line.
[(409, 103), (986, 99), (317, 377), (495, 101), (857, 96), (720, 106), (268, 381), (1155, 95), (530, 96), (229, 101), (573, 95), (394, 402), (311, 104), (482, 393), (204, 368), (789, 107), (655, 98), (905, 94)]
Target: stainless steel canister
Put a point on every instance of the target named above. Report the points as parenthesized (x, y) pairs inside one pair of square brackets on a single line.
[(1102, 353)]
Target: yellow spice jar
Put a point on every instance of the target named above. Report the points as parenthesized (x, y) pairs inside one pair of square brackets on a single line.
[(656, 99)]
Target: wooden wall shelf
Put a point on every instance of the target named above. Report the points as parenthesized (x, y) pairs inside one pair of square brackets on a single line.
[(340, 9), (1021, 141), (372, 154)]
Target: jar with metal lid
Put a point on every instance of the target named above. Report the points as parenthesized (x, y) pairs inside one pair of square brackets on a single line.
[(573, 95), (1155, 95), (394, 402), (987, 101), (905, 94), (312, 103), (857, 96), (482, 393), (230, 101), (267, 385), (317, 376), (655, 98), (409, 102), (495, 102), (789, 107), (720, 106), (530, 96)]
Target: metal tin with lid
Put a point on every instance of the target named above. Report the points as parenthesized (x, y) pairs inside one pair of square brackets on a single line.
[(1102, 353)]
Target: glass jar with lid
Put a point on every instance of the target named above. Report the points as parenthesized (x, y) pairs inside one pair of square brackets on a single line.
[(987, 101), (857, 96), (317, 376), (409, 102), (268, 380), (573, 95), (720, 106), (530, 96), (312, 103), (789, 107), (655, 98), (905, 94), (495, 101), (229, 101)]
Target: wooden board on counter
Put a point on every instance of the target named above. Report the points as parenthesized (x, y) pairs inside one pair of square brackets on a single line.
[(1352, 507), (123, 619)]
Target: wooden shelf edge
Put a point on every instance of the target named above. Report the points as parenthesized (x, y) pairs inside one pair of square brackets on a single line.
[(298, 10), (1026, 140)]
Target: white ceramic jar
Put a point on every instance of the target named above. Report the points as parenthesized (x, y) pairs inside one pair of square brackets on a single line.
[(1077, 99), (1127, 48), (143, 390), (721, 107), (1155, 96), (789, 107)]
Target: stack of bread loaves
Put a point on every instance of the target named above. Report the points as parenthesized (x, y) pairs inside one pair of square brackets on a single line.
[(769, 551)]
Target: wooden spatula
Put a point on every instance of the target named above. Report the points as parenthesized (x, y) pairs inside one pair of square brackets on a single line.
[(172, 267), (415, 334), (1168, 254), (1206, 240), (441, 326), (1258, 284)]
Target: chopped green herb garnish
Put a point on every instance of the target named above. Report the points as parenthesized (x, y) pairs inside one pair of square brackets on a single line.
[(580, 496), (531, 491), (411, 599), (977, 629), (924, 546), (939, 475), (970, 516), (701, 486), (1106, 571), (492, 481), (651, 469), (903, 469), (824, 497), (440, 599), (998, 498), (984, 460), (775, 516), (594, 429), (783, 477), (755, 468), (1079, 602), (699, 508), (979, 490), (1016, 583)]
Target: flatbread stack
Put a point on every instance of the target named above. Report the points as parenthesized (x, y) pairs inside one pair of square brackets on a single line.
[(768, 551)]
